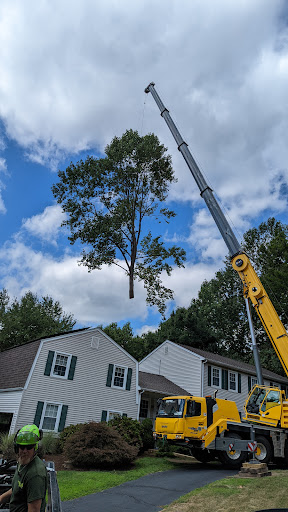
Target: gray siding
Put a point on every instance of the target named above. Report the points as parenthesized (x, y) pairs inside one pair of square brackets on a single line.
[(87, 394), (176, 364), (10, 402)]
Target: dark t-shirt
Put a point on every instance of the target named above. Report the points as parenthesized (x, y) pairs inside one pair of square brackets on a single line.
[(29, 484)]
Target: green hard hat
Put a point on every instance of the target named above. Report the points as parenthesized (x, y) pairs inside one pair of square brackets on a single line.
[(28, 435)]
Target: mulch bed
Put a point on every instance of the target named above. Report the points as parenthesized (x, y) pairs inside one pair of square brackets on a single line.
[(58, 461)]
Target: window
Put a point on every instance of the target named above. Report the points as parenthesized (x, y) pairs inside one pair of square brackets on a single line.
[(216, 377), (119, 376), (61, 365), (50, 416), (232, 381), (144, 408), (253, 382), (113, 414)]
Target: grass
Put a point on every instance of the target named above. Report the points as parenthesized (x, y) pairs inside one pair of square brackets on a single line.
[(73, 484), (237, 495)]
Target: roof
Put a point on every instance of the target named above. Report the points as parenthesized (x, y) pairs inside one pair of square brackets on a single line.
[(16, 364), (159, 384), (228, 362)]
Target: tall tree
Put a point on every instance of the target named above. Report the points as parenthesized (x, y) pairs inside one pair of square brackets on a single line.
[(111, 202), (30, 318)]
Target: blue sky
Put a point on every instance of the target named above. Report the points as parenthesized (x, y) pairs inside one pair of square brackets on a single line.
[(73, 76)]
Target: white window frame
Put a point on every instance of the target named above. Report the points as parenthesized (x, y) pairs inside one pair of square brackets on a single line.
[(236, 381), (67, 367), (254, 381), (57, 421), (220, 377), (114, 412), (125, 368)]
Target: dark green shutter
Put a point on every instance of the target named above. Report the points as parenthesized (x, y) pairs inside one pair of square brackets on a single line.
[(224, 379), (209, 375), (249, 383), (129, 377), (109, 376), (72, 368), (239, 382), (49, 362), (104, 416), (63, 418), (271, 385), (124, 415), (38, 413)]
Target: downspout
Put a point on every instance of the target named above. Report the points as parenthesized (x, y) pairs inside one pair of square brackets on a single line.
[(202, 376)]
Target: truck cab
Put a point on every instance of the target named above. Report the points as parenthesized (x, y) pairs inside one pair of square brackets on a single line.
[(264, 405)]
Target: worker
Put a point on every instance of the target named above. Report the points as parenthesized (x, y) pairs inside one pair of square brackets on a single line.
[(29, 482)]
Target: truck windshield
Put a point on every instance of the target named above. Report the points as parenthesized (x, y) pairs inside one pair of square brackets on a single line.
[(171, 408)]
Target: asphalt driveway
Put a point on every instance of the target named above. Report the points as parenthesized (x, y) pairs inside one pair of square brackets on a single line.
[(151, 492)]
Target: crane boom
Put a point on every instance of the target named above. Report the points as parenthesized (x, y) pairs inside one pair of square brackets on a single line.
[(253, 288)]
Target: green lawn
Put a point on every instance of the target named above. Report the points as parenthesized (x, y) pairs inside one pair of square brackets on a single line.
[(73, 484)]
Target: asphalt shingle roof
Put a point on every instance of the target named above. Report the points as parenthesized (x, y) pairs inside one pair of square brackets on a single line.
[(15, 364), (228, 362), (159, 384)]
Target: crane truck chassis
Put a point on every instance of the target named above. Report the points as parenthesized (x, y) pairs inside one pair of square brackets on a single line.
[(215, 426)]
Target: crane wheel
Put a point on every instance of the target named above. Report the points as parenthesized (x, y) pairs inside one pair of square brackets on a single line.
[(264, 450), (232, 459)]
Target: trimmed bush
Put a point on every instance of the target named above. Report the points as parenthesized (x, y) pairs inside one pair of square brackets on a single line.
[(48, 445), (146, 431), (129, 429), (98, 446)]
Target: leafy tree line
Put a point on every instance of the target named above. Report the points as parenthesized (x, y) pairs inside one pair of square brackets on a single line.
[(30, 318), (217, 320)]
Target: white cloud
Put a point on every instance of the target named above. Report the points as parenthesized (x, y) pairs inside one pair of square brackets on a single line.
[(146, 328), (93, 298), (46, 225)]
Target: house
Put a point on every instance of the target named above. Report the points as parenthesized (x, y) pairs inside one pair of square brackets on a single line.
[(66, 379), (202, 373)]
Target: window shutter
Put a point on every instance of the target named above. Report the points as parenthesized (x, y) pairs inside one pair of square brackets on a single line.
[(109, 375), (38, 413), (63, 418), (104, 416), (224, 379), (271, 385), (72, 368), (249, 383), (49, 362), (239, 382), (129, 377), (124, 415), (209, 375)]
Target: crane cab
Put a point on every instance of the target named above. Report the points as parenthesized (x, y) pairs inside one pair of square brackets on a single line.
[(264, 405)]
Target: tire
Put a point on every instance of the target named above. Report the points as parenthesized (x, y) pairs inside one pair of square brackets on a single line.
[(232, 459), (264, 452), (203, 456)]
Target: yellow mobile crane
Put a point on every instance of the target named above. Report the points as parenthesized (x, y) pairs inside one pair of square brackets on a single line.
[(210, 426)]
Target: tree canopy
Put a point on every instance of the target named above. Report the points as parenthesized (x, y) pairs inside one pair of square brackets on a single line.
[(111, 204), (30, 318)]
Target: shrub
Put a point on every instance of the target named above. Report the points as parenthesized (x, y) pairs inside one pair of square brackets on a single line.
[(146, 431), (7, 446), (48, 445), (67, 432), (98, 446), (164, 448), (129, 429)]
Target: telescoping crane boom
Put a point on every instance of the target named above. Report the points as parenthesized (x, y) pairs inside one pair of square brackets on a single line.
[(253, 288)]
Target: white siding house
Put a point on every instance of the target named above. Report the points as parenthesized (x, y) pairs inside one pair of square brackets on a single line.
[(73, 378), (203, 373)]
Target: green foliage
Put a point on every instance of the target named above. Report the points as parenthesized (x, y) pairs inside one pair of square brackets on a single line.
[(66, 433), (7, 446), (164, 449), (108, 200), (129, 430), (30, 318), (98, 446), (146, 431), (48, 445)]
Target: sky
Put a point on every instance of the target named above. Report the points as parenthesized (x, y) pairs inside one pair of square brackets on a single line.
[(72, 76)]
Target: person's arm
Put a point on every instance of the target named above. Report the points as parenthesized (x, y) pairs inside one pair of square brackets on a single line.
[(5, 497), (34, 506)]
